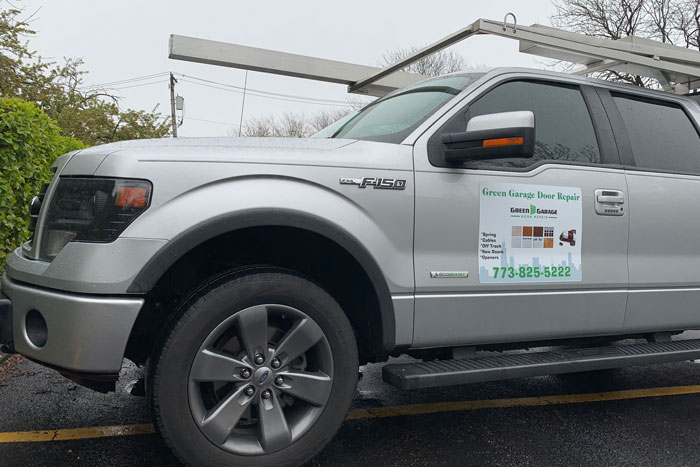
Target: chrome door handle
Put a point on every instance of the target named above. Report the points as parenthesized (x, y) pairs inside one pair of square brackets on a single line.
[(609, 202), (618, 199)]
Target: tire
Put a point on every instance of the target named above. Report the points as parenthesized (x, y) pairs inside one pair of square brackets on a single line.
[(205, 364)]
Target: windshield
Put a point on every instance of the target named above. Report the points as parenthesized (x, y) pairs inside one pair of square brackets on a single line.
[(391, 118), (331, 129)]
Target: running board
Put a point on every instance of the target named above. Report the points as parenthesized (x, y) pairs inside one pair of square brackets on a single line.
[(507, 366)]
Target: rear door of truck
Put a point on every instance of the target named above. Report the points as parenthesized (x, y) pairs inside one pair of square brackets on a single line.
[(660, 148)]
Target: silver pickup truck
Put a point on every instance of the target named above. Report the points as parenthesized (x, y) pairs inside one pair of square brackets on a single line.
[(454, 221)]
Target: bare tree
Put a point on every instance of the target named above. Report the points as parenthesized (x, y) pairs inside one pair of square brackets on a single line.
[(257, 126), (293, 125), (324, 118), (289, 125), (675, 22), (440, 63)]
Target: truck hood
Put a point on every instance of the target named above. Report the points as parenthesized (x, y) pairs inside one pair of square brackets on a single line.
[(105, 159)]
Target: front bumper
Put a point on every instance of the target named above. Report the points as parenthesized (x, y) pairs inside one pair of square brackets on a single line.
[(87, 268), (83, 333)]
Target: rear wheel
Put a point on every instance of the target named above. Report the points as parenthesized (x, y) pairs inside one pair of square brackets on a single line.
[(258, 369)]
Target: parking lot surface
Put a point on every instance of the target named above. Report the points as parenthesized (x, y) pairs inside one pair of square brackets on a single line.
[(633, 416)]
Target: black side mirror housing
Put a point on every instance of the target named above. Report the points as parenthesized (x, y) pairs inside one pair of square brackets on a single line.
[(493, 136)]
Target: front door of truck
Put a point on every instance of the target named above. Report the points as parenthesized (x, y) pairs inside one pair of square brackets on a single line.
[(522, 249)]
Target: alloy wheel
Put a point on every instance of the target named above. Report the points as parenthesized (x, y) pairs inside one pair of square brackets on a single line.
[(260, 379)]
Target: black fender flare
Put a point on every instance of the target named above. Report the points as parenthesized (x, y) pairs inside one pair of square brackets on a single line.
[(196, 235)]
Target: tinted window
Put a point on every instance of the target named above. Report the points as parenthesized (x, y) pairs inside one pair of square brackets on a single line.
[(563, 127), (661, 135)]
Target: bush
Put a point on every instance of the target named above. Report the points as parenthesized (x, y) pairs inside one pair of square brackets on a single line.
[(29, 143)]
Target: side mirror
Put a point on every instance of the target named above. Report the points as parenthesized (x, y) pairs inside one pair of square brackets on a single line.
[(492, 136)]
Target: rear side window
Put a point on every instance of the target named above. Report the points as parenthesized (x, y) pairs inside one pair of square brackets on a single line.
[(661, 134), (563, 127)]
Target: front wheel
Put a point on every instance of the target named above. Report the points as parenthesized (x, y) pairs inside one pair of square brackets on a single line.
[(256, 370)]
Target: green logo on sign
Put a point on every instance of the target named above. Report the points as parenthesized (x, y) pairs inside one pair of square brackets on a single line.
[(533, 209)]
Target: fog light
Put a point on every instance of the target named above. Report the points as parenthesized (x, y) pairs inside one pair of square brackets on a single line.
[(37, 331)]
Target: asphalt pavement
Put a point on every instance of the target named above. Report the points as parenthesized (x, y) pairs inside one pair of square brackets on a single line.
[(545, 421)]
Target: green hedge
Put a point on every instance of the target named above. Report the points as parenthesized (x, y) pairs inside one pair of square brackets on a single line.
[(29, 142)]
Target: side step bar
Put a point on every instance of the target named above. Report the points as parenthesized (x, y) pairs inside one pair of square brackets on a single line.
[(507, 366)]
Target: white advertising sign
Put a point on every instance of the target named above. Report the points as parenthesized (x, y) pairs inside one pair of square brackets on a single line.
[(529, 233)]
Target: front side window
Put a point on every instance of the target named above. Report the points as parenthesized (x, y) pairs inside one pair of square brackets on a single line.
[(661, 135), (393, 117), (563, 127)]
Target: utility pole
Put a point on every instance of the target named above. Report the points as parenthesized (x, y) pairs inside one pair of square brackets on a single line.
[(172, 104)]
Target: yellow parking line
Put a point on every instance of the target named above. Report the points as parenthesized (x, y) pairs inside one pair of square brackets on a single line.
[(360, 414), (438, 407), (76, 433)]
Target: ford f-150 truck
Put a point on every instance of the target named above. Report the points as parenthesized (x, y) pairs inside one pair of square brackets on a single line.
[(454, 221)]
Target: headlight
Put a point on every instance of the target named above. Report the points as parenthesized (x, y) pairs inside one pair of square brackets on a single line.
[(91, 210)]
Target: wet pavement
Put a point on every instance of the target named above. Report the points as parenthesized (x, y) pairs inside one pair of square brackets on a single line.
[(634, 432)]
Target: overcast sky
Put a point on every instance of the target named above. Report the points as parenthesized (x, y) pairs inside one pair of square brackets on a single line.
[(129, 39)]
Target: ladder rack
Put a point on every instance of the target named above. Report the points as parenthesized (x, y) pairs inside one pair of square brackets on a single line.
[(676, 68)]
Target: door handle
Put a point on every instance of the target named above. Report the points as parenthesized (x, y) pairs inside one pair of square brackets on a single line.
[(609, 199), (609, 202)]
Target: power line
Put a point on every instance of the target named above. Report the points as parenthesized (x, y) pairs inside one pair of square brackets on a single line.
[(117, 88), (127, 84), (159, 78), (209, 121), (160, 81), (264, 92), (251, 92), (125, 81), (268, 95)]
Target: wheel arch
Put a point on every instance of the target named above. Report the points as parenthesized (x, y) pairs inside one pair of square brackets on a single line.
[(305, 225)]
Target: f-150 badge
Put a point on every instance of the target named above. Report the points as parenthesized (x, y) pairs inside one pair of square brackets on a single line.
[(377, 183)]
